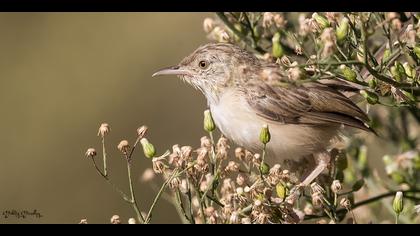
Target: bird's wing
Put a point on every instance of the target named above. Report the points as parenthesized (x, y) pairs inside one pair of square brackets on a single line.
[(310, 103)]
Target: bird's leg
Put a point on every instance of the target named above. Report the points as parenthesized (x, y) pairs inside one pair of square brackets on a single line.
[(323, 159)]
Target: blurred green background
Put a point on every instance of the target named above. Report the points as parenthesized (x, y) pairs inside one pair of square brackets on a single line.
[(61, 76)]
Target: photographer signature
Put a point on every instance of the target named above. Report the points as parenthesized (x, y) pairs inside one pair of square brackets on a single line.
[(21, 214)]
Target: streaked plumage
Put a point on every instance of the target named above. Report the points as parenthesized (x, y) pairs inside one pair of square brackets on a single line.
[(244, 93)]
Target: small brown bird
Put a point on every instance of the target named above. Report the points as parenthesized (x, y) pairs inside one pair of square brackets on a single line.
[(244, 93)]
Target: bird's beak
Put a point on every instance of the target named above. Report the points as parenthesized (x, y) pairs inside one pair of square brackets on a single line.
[(172, 70)]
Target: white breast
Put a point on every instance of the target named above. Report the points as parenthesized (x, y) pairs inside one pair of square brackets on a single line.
[(239, 122)]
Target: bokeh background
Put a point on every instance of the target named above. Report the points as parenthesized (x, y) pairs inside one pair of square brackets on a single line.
[(61, 76)]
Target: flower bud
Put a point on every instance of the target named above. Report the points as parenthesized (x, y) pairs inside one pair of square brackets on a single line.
[(409, 71), (398, 204), (148, 148), (209, 125), (281, 191), (370, 97), (342, 30), (372, 83), (264, 168), (265, 134), (132, 221), (416, 51), (348, 73), (277, 50), (386, 56), (91, 152), (321, 20)]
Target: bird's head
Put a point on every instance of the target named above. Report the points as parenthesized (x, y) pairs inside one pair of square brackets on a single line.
[(213, 67)]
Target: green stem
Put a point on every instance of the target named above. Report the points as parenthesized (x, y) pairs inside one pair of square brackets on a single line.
[(133, 197), (123, 195), (396, 218), (162, 188), (104, 156), (226, 21), (367, 201)]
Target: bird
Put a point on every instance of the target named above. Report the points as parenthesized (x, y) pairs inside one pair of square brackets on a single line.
[(244, 93)]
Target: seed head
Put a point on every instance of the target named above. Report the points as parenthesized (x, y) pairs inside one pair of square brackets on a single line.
[(124, 147), (91, 152), (115, 219), (336, 186), (141, 132), (104, 129)]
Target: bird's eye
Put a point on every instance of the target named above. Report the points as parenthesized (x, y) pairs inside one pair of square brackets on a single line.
[(203, 64)]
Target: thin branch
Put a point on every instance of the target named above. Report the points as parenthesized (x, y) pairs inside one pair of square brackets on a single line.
[(243, 37)]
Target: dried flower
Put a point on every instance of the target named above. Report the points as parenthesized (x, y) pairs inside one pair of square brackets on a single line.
[(345, 202), (208, 25), (222, 148), (124, 147), (240, 153), (268, 19), (115, 219), (158, 165), (336, 186), (316, 188), (104, 129), (417, 209), (232, 167), (91, 152), (141, 132), (205, 142), (241, 179), (183, 187), (332, 16), (175, 183), (279, 20), (317, 199), (234, 218), (148, 148), (246, 220), (83, 221), (147, 175), (295, 73)]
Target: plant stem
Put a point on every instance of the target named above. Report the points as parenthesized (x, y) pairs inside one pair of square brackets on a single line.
[(104, 156), (162, 188), (226, 21), (123, 195), (367, 201), (133, 197), (396, 218)]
